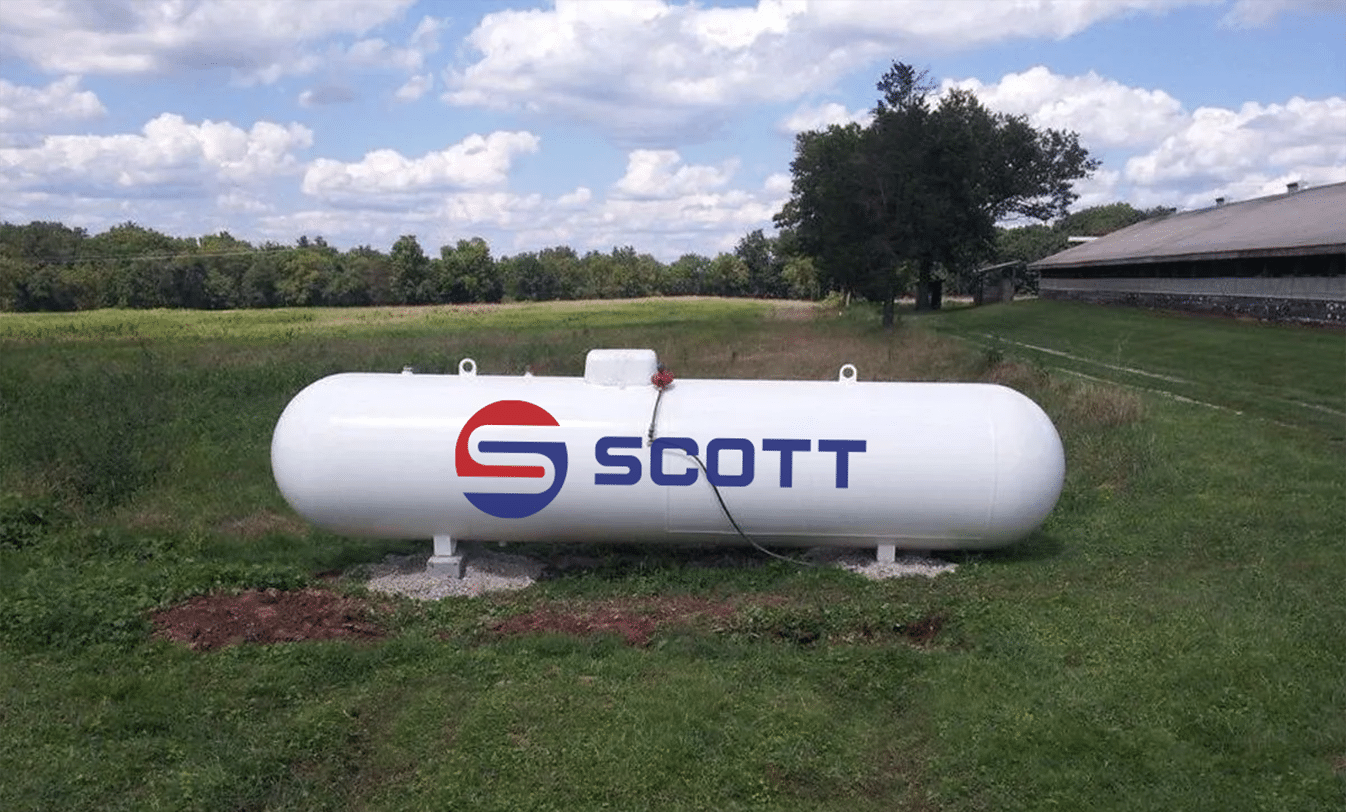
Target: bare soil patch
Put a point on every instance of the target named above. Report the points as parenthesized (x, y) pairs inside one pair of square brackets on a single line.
[(924, 631), (271, 616)]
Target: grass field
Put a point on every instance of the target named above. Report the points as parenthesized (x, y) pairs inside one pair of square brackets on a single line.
[(1172, 637)]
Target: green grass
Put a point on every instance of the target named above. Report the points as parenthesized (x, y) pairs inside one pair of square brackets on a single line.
[(1171, 638), (1289, 374)]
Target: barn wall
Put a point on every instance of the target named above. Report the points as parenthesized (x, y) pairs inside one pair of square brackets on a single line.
[(1280, 287), (1303, 309)]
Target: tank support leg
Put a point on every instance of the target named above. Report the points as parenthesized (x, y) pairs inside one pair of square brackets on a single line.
[(887, 553), (446, 560)]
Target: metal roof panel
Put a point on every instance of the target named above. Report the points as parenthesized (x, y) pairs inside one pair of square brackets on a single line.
[(1310, 221)]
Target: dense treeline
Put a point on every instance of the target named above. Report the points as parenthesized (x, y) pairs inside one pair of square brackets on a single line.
[(50, 266)]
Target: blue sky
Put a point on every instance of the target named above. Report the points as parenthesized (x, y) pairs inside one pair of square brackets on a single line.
[(666, 126)]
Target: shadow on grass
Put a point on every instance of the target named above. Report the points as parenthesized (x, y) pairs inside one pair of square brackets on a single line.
[(1036, 548)]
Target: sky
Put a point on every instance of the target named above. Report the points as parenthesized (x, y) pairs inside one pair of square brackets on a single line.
[(666, 126)]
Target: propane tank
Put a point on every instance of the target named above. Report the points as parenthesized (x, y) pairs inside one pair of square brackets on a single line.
[(626, 454)]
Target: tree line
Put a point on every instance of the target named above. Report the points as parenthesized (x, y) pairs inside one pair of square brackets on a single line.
[(51, 266), (47, 266)]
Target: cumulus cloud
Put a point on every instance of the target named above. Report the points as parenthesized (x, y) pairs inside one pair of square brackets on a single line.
[(415, 87), (1253, 146), (27, 109), (655, 72), (661, 205), (1174, 156), (377, 53), (778, 184), (441, 221), (473, 163), (579, 197), (666, 208), (171, 157), (260, 40), (1104, 112), (823, 116), (658, 175)]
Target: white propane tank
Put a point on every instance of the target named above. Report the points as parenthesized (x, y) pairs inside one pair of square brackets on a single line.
[(921, 466)]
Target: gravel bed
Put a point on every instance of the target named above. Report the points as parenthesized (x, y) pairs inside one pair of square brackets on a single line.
[(486, 571), (864, 563), (491, 571)]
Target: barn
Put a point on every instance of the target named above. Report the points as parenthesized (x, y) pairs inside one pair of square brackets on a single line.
[(1280, 258)]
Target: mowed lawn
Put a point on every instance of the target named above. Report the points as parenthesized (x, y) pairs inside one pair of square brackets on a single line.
[(1172, 638)]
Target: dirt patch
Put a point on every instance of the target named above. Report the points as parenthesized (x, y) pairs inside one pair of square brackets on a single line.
[(924, 631), (270, 616), (634, 621)]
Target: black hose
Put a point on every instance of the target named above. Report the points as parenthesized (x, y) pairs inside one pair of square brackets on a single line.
[(718, 496)]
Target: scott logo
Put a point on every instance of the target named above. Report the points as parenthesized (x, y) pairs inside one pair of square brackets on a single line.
[(510, 413)]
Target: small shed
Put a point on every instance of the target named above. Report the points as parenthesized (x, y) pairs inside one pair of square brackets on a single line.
[(995, 283)]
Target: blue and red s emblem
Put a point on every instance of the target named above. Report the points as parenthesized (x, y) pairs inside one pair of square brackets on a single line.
[(510, 413)]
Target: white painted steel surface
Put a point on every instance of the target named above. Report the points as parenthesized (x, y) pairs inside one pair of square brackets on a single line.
[(943, 466)]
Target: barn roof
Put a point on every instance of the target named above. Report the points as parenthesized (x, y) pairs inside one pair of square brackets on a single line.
[(1312, 221)]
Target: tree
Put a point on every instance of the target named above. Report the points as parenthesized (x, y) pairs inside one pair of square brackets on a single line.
[(758, 253), (303, 274), (727, 275), (374, 269), (467, 273), (686, 276), (257, 288), (922, 184), (411, 272), (1096, 221), (825, 215)]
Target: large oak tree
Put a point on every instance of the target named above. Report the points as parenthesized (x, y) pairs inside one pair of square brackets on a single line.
[(922, 186)]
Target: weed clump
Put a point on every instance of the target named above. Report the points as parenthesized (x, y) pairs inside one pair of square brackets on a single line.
[(1072, 404)]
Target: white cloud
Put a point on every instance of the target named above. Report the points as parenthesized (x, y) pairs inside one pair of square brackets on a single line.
[(235, 200), (820, 118), (473, 163), (415, 87), (661, 205), (778, 184), (326, 95), (437, 222), (377, 53), (1218, 146), (260, 40), (1174, 156), (1256, 13), (579, 197), (657, 175), (1104, 112), (27, 109), (657, 73), (169, 158)]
